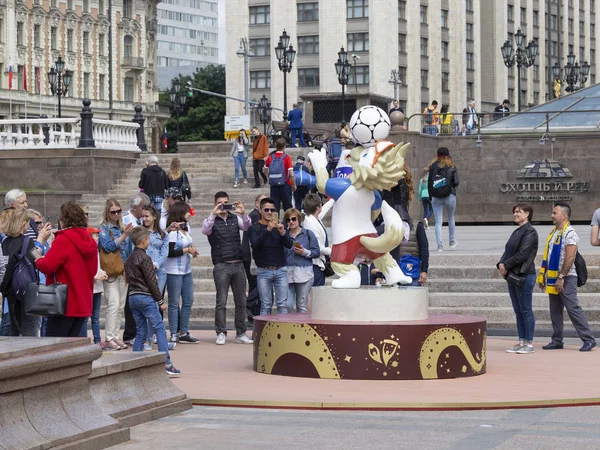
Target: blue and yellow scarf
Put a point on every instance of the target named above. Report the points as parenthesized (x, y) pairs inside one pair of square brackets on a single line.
[(549, 268)]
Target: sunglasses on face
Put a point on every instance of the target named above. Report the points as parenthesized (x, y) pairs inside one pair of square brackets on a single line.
[(117, 211), (269, 210), (291, 219), (39, 222)]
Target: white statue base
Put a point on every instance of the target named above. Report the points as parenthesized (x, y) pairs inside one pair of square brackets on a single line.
[(370, 304)]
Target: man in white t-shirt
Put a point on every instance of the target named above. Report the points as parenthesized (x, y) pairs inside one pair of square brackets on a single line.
[(595, 235), (136, 208)]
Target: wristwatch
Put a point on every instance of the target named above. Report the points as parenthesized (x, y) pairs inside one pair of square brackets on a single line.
[(560, 276)]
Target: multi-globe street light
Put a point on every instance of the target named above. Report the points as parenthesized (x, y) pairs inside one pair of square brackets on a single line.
[(285, 57), (522, 56), (342, 68), (178, 99), (264, 112), (573, 73), (59, 81)]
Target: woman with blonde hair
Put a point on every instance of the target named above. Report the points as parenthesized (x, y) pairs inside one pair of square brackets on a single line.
[(114, 238), (239, 155), (176, 177), (442, 184)]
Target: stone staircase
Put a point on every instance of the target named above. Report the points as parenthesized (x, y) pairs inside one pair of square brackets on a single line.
[(459, 283)]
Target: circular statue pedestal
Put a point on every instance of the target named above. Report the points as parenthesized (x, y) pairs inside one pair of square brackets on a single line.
[(370, 304), (442, 346)]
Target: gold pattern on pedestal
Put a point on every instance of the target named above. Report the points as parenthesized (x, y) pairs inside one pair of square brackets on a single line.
[(438, 341), (387, 351), (278, 339)]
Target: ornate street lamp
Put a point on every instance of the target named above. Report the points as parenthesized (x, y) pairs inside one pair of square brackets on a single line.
[(264, 112), (396, 81), (521, 57), (245, 52), (59, 81), (573, 73), (178, 99), (285, 57), (342, 68)]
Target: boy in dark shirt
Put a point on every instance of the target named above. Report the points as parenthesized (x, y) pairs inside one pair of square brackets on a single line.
[(145, 298), (268, 239)]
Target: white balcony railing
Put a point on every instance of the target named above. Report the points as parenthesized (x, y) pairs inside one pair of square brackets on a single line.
[(115, 135)]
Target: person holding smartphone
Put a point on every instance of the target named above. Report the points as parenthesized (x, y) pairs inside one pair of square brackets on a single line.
[(223, 230), (180, 283)]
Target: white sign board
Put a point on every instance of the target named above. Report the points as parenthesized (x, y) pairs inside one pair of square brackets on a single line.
[(236, 123)]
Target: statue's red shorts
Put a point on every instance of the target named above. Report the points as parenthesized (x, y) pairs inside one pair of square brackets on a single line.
[(348, 251)]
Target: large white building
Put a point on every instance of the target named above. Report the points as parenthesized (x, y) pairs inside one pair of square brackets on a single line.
[(444, 50), (188, 37)]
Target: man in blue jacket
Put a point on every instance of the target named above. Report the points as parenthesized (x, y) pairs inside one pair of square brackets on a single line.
[(295, 118)]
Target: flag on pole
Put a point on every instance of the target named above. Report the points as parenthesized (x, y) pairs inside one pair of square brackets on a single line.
[(25, 78), (165, 143), (10, 77)]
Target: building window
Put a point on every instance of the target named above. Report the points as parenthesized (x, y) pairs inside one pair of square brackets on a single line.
[(401, 9), (262, 46), (445, 82), (424, 42), (553, 48), (53, 43), (510, 13), (86, 85), (523, 15), (260, 79), (18, 82), (309, 45), (553, 21), (358, 42), (570, 26), (19, 33), (86, 9), (592, 56), (469, 5), (523, 98), (308, 12), (470, 90), (581, 53), (101, 83), (127, 8), (423, 14), (70, 5), (101, 44), (308, 77), (53, 3), (469, 31), (592, 31), (470, 64), (511, 94), (128, 47), (536, 98), (402, 43), (101, 7), (581, 28), (86, 42), (36, 36), (402, 75), (536, 72), (445, 50), (260, 15), (357, 9), (70, 40), (444, 18), (424, 78), (360, 74), (536, 18), (128, 91)]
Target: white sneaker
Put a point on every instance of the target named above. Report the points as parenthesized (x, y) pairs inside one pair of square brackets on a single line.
[(236, 184), (426, 224), (147, 347), (221, 339), (243, 339), (246, 181), (453, 244)]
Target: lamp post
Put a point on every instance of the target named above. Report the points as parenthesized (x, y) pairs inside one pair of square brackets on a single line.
[(573, 73), (178, 99), (285, 57), (342, 68), (59, 81), (264, 112), (395, 80), (245, 52), (522, 56)]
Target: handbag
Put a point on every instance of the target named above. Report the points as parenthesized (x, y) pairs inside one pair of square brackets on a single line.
[(41, 300), (514, 279), (186, 189), (111, 262), (328, 269)]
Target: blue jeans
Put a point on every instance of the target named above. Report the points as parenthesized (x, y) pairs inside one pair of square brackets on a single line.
[(157, 203), (162, 281), (96, 301), (180, 286), (298, 293), (42, 327), (427, 208), (319, 279), (281, 196), (144, 310), (522, 298), (240, 161), (293, 131), (5, 324), (438, 204), (266, 280)]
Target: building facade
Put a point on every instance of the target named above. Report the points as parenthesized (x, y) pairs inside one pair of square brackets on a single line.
[(188, 37), (108, 45), (444, 50)]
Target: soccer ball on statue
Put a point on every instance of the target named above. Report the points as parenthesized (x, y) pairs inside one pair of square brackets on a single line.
[(370, 124)]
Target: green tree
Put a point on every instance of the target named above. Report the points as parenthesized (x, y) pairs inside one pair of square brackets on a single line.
[(204, 115)]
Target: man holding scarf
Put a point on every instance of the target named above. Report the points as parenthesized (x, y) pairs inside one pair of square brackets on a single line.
[(559, 278)]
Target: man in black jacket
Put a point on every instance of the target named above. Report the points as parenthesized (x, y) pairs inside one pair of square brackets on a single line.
[(153, 182), (247, 253), (223, 230)]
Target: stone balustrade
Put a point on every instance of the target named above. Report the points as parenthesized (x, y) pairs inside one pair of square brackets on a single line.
[(18, 134), (115, 135)]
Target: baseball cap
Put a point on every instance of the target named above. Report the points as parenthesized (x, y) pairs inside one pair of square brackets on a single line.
[(92, 230), (300, 158), (443, 151), (173, 192)]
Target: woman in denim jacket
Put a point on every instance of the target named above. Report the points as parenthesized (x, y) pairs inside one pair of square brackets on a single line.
[(158, 251), (114, 236), (239, 154), (299, 261)]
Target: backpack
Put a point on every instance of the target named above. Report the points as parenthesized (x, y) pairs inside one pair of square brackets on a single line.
[(276, 171), (23, 272), (440, 186), (429, 117), (186, 189), (334, 150), (581, 269), (410, 266)]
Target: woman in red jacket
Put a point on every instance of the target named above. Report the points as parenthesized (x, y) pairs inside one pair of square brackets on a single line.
[(73, 260)]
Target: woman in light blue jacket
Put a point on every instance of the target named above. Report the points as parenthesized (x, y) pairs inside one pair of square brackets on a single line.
[(239, 153)]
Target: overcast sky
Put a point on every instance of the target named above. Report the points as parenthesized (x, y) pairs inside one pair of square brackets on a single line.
[(222, 31)]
